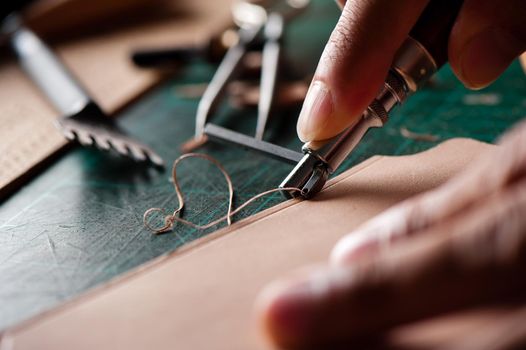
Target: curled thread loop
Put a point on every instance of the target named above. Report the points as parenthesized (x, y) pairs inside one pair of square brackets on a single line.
[(171, 219)]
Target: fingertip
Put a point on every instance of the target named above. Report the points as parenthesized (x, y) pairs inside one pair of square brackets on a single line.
[(354, 247), (328, 110), (354, 65), (345, 249), (316, 113)]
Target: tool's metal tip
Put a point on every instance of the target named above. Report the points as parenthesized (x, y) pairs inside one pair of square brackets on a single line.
[(101, 143), (119, 147), (84, 139), (155, 159), (138, 153), (315, 183), (194, 143), (309, 175), (69, 134)]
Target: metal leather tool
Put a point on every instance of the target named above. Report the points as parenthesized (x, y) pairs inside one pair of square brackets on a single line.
[(271, 23), (421, 55), (82, 119)]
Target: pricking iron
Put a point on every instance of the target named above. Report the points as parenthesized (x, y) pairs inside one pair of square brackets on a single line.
[(82, 119)]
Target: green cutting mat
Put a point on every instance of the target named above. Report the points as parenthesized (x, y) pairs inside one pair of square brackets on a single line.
[(79, 223)]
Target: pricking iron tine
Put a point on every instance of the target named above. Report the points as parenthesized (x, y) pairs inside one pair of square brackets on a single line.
[(101, 143), (155, 159), (82, 119)]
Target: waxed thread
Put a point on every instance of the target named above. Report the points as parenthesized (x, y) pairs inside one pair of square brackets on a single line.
[(171, 219)]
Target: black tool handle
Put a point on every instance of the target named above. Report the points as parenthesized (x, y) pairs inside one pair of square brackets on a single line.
[(156, 58), (10, 6), (434, 26)]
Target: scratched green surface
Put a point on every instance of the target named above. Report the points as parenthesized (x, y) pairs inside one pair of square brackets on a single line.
[(79, 223)]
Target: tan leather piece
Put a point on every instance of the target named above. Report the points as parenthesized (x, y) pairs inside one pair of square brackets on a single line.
[(101, 62), (201, 297)]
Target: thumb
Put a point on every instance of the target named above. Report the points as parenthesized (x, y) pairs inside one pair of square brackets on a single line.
[(354, 64), (486, 38)]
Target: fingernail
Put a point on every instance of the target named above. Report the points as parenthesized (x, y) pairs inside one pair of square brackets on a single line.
[(352, 247), (486, 56), (316, 112)]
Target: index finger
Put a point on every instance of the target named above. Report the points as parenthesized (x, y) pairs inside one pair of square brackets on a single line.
[(354, 64)]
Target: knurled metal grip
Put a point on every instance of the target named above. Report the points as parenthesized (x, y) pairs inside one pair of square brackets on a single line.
[(412, 66), (394, 92), (377, 110), (396, 86)]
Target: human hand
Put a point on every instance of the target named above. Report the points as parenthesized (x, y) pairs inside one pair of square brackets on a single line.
[(461, 245), (487, 37)]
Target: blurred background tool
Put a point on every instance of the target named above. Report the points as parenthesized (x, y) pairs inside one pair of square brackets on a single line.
[(11, 6), (254, 20), (93, 38), (59, 20), (175, 57), (82, 119)]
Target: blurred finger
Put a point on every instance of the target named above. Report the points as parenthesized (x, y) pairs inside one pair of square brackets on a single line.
[(354, 64), (486, 176), (509, 333), (487, 37), (470, 260)]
